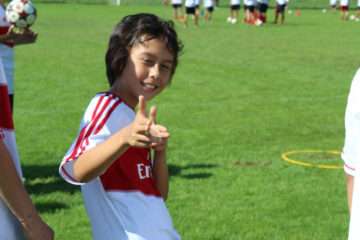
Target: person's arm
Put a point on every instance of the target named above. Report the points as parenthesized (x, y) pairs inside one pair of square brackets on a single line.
[(350, 188), (13, 193), (161, 173), (159, 138), (18, 38), (97, 160)]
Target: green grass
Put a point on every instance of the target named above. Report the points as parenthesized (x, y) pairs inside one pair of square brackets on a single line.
[(241, 97)]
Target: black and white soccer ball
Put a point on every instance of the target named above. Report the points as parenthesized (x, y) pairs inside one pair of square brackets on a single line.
[(21, 13)]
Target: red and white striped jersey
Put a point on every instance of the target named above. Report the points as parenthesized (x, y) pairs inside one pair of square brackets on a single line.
[(123, 202), (9, 225), (7, 52)]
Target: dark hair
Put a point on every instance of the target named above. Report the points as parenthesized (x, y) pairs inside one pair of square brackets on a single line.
[(131, 30)]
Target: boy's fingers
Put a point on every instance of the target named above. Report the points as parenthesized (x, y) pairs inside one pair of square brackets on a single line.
[(161, 128), (142, 105), (153, 112)]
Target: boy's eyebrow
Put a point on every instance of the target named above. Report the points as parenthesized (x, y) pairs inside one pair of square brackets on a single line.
[(171, 61)]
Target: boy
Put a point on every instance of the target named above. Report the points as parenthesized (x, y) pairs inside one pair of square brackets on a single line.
[(344, 7), (9, 39), (18, 215), (351, 155), (249, 6), (280, 11), (119, 156), (190, 9), (177, 9), (333, 4), (234, 11), (262, 7), (209, 8)]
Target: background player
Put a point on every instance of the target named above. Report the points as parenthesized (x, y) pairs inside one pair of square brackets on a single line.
[(190, 9), (234, 11), (9, 39), (177, 9), (351, 155), (209, 8), (280, 11)]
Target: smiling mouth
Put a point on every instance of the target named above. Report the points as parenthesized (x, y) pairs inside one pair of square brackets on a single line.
[(149, 86)]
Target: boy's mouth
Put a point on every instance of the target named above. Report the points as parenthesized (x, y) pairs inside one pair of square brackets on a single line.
[(149, 86)]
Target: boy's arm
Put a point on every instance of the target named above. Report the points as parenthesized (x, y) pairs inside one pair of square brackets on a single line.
[(97, 160), (161, 173), (159, 136), (11, 191), (94, 162)]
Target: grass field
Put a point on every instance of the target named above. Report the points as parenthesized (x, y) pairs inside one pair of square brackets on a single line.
[(242, 96)]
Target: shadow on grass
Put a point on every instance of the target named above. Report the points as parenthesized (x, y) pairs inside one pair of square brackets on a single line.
[(50, 207), (44, 179), (180, 171)]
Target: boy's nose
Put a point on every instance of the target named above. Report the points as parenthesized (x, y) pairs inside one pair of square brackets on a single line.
[(155, 71)]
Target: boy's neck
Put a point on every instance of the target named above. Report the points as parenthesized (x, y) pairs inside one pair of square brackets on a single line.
[(131, 102)]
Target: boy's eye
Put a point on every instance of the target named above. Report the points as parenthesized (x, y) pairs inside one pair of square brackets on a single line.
[(165, 67), (148, 61)]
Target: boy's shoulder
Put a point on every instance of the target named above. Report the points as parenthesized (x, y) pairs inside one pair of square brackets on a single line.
[(103, 106)]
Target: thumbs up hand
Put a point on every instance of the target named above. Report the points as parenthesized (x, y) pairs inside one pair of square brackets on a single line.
[(138, 131), (144, 132)]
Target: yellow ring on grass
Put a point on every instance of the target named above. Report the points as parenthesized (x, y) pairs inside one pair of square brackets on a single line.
[(286, 157)]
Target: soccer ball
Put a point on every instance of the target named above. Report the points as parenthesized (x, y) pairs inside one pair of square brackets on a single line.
[(21, 13)]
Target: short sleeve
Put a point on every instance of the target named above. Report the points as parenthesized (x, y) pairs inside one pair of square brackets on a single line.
[(103, 117)]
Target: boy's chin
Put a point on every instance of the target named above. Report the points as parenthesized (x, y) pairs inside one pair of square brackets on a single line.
[(148, 96)]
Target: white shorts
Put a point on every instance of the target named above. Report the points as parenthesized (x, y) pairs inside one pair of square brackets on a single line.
[(351, 150), (7, 57)]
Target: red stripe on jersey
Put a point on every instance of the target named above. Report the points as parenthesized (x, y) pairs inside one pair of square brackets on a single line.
[(88, 129), (97, 106), (6, 120), (84, 132), (100, 126), (4, 30)]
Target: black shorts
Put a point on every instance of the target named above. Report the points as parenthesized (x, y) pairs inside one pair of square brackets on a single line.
[(190, 10), (177, 5), (235, 7), (280, 8), (210, 9), (263, 7), (251, 8)]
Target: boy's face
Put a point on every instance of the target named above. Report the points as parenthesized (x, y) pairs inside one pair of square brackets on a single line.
[(147, 72)]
